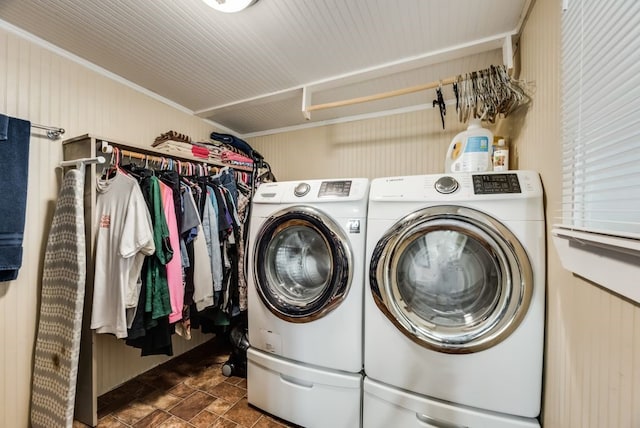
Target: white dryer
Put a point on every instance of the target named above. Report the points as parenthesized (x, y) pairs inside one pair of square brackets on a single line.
[(454, 300), (305, 300)]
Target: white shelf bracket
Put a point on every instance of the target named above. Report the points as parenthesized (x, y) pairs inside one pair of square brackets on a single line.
[(507, 52), (306, 102)]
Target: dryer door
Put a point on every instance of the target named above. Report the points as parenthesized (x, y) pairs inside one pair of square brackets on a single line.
[(452, 279), (303, 264)]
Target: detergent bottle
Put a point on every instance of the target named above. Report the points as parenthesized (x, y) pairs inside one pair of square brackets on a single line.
[(471, 150), (501, 156)]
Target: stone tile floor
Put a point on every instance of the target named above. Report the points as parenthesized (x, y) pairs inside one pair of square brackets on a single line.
[(187, 391)]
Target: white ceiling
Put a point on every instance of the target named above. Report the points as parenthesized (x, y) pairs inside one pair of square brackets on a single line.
[(246, 71)]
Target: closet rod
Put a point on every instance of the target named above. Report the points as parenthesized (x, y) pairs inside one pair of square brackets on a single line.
[(79, 163), (142, 154), (53, 132), (383, 95)]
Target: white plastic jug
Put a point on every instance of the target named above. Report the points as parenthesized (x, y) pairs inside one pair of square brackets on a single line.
[(470, 150)]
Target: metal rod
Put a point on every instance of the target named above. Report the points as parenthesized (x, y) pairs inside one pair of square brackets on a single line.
[(53, 132), (80, 163)]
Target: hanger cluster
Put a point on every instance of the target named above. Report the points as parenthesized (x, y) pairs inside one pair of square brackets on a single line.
[(483, 94), (488, 93)]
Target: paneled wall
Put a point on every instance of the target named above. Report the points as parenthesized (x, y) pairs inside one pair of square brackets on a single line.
[(49, 89), (592, 362), (404, 144)]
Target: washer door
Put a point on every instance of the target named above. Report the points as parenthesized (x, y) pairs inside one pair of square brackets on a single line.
[(303, 264), (452, 279)]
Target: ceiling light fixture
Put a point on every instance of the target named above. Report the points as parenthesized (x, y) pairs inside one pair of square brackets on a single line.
[(229, 6)]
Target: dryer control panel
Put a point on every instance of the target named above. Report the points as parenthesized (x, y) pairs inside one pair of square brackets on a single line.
[(486, 184), (335, 188)]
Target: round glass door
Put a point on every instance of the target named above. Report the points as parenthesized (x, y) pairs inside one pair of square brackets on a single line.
[(303, 264), (452, 279)]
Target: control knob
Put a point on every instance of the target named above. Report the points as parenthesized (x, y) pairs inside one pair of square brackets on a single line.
[(301, 189), (446, 185)]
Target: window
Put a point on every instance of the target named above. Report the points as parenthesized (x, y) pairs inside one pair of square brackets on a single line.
[(599, 237)]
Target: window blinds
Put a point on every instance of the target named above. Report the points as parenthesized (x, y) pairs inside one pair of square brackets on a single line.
[(601, 116)]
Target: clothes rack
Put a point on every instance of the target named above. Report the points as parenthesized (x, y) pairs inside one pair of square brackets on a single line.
[(159, 157), (103, 363)]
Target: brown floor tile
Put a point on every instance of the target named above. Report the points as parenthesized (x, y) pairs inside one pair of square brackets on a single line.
[(133, 412), (206, 381), (161, 400), (186, 392), (174, 422), (219, 406), (242, 414), (234, 380), (204, 419), (227, 391), (111, 422), (169, 379), (109, 409), (266, 422), (224, 423), (191, 405), (182, 390), (127, 392), (152, 420)]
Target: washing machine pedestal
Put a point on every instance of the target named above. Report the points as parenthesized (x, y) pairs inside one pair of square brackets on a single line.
[(385, 406), (302, 394)]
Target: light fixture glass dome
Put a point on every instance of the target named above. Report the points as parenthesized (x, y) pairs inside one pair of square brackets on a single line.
[(229, 6)]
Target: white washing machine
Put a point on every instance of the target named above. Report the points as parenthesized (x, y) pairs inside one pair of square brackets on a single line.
[(454, 300), (305, 300)]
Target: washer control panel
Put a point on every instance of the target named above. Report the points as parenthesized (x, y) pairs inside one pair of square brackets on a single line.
[(301, 189), (335, 188), (487, 184), (446, 185)]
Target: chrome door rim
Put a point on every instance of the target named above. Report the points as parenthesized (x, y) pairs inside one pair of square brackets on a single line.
[(341, 261), (516, 278)]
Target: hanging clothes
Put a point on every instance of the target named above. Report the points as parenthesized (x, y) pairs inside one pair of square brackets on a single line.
[(158, 302), (203, 277), (195, 276), (150, 330), (174, 266), (124, 237), (244, 202), (14, 172), (212, 238)]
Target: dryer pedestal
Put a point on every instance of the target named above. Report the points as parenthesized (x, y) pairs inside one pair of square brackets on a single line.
[(301, 394), (384, 406)]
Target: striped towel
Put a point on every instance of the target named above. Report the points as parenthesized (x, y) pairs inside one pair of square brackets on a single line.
[(63, 280)]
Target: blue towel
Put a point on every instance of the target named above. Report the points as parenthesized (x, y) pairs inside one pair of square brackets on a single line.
[(14, 170)]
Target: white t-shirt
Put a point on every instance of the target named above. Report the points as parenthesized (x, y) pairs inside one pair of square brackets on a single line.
[(125, 236)]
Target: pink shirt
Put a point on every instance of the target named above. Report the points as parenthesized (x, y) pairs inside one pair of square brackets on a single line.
[(174, 267)]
